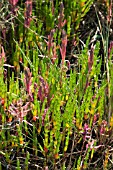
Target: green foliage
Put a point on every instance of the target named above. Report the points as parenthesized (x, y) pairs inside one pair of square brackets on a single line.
[(46, 114)]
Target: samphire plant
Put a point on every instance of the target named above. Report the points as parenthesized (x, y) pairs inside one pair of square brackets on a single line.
[(53, 116)]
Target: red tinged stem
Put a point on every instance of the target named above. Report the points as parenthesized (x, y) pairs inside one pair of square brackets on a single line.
[(28, 13), (63, 46), (13, 2), (110, 49)]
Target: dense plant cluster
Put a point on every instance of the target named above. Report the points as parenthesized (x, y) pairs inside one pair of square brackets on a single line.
[(56, 85)]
